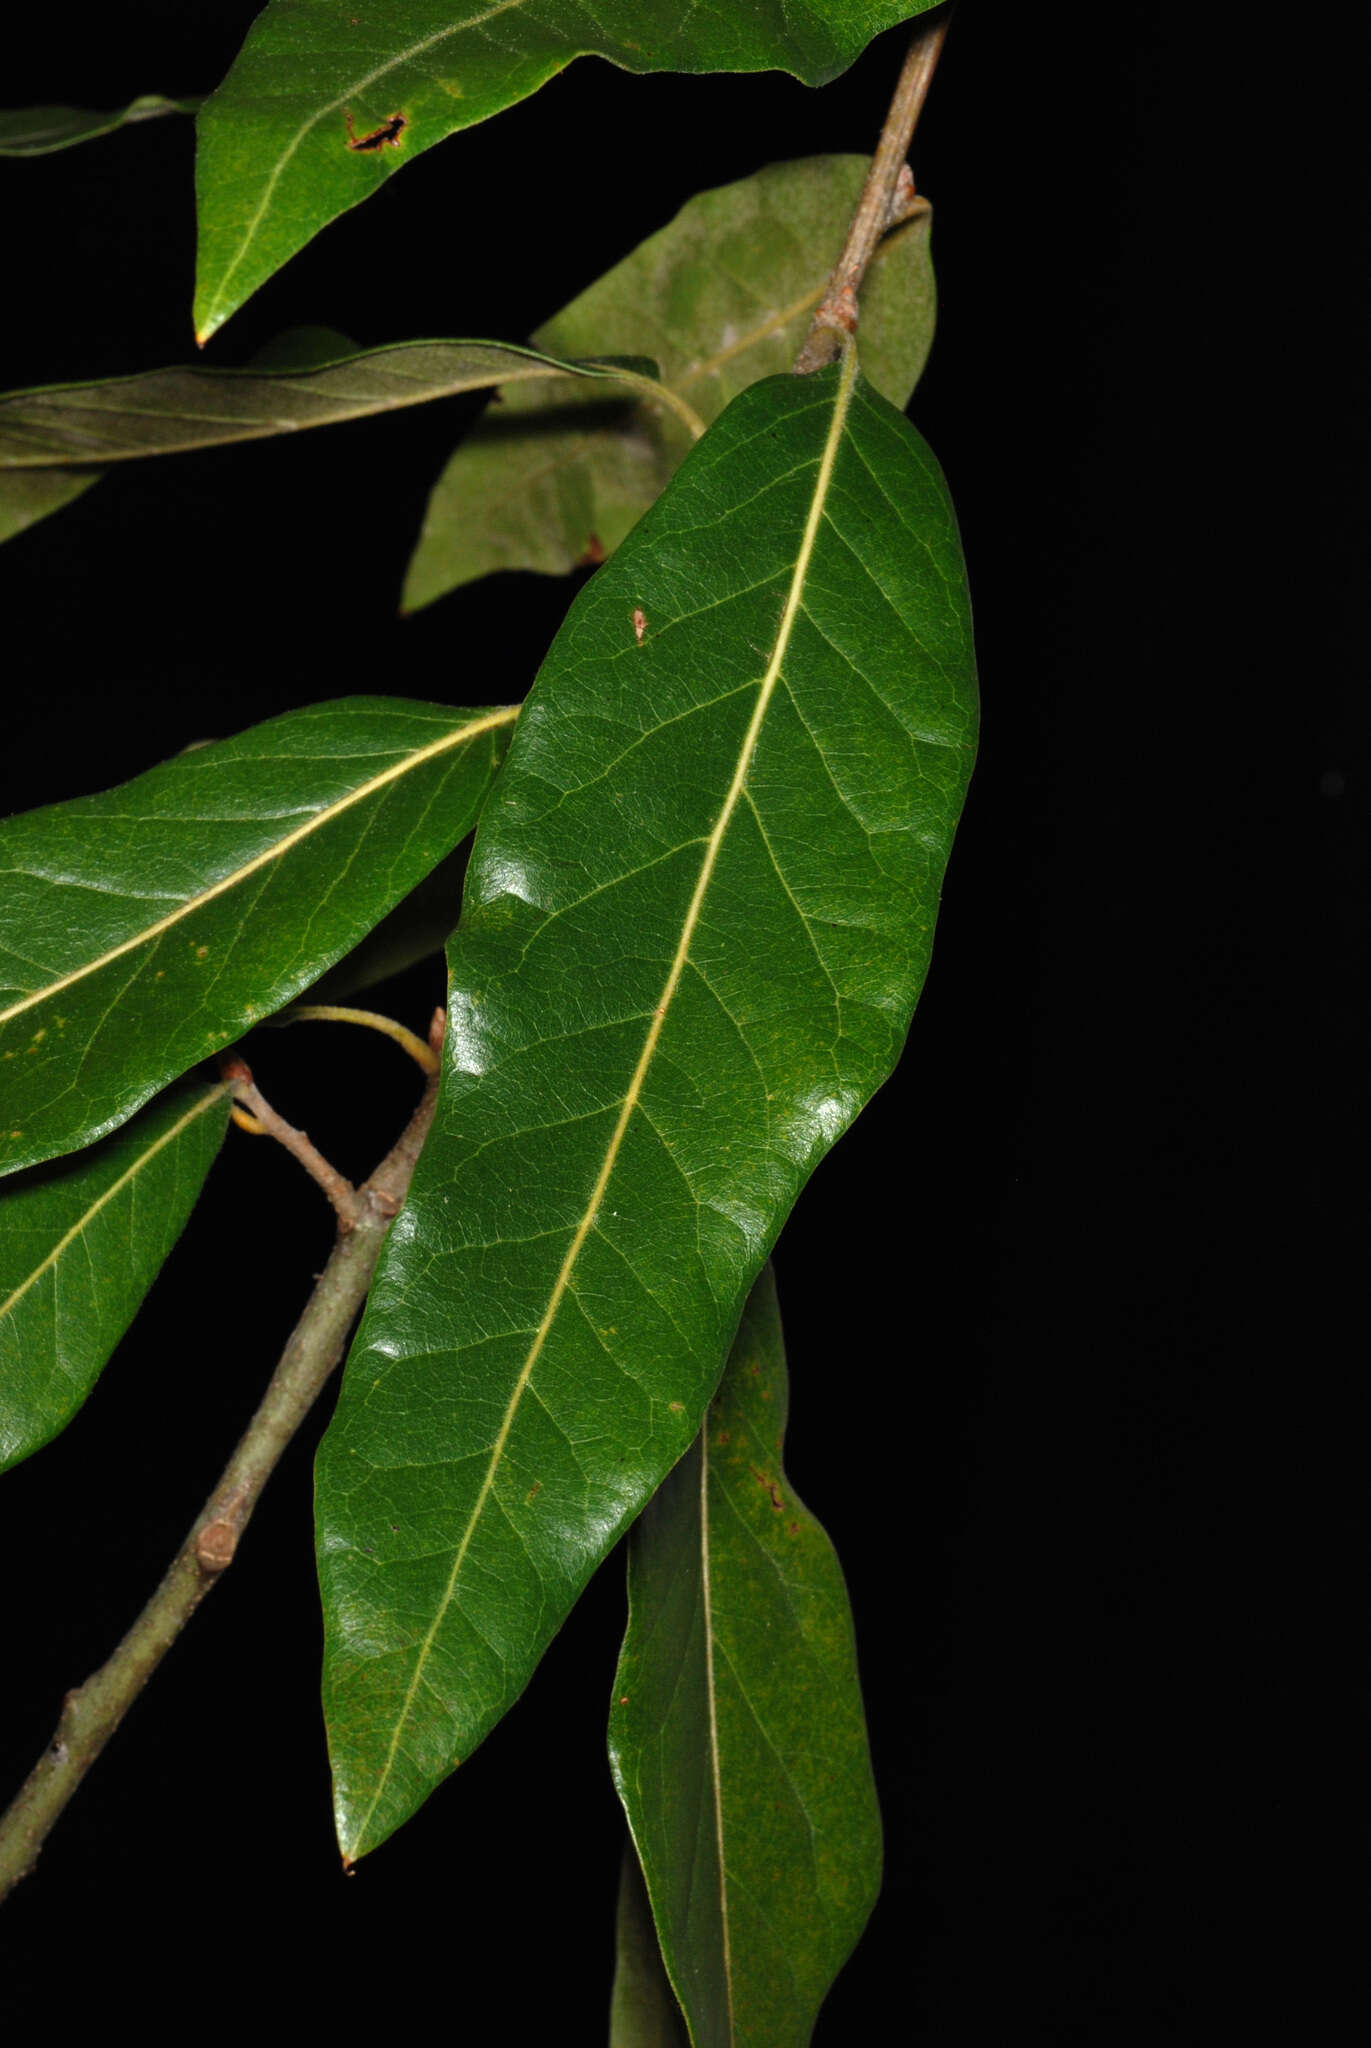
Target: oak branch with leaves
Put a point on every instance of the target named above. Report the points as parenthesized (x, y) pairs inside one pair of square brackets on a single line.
[(697, 915)]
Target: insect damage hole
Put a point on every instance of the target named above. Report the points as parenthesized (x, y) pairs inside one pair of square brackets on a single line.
[(386, 136)]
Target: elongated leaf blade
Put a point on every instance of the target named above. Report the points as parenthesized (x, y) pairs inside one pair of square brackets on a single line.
[(38, 131), (721, 296), (165, 412), (643, 2012), (81, 1242), (736, 1732), (697, 917), (144, 929), (324, 102)]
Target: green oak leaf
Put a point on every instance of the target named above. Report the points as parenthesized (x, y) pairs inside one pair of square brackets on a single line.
[(37, 131), (723, 295), (53, 436), (697, 917), (56, 439), (326, 100), (736, 1731), (144, 929), (643, 2012), (81, 1242), (415, 930)]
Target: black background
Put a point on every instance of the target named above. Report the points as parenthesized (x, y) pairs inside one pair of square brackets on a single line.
[(1045, 1397)]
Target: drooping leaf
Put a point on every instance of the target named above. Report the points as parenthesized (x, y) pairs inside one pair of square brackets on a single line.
[(37, 131), (165, 412), (81, 1242), (721, 296), (643, 2012), (143, 929), (28, 495), (325, 101), (697, 917), (736, 1731)]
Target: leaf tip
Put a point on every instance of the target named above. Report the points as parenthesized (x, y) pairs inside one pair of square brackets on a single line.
[(205, 319)]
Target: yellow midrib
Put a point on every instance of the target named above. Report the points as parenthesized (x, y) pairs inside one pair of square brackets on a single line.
[(654, 1032), (149, 933), (87, 1216)]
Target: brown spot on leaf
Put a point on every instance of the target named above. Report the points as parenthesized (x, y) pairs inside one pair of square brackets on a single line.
[(594, 553), (639, 623), (773, 1491), (387, 136), (534, 1490)]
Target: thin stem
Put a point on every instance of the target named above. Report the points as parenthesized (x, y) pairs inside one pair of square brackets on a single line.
[(264, 1121), (334, 1013), (92, 1712), (887, 196)]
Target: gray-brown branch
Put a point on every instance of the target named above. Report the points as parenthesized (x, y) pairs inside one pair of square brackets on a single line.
[(92, 1712), (887, 197)]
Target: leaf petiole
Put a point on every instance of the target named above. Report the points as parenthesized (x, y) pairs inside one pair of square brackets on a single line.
[(335, 1013)]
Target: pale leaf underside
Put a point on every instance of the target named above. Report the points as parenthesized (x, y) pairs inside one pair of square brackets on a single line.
[(57, 440), (38, 131), (723, 295)]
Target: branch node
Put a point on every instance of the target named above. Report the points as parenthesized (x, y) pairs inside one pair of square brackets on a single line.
[(215, 1547), (887, 197)]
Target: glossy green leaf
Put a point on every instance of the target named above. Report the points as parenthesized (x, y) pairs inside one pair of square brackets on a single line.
[(81, 1242), (697, 916), (37, 131), (721, 297), (736, 1730), (144, 929), (165, 412), (417, 929), (325, 100), (643, 2012)]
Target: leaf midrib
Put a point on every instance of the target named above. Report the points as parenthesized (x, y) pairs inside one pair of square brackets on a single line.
[(709, 860), (264, 859)]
